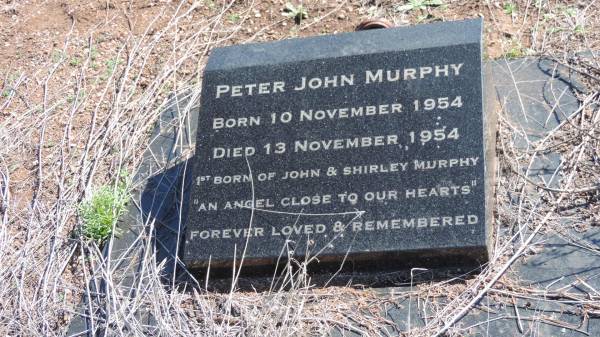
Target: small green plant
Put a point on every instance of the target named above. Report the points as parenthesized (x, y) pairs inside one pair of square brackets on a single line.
[(111, 66), (539, 3), (71, 98), (516, 50), (12, 77), (421, 5), (234, 18), (58, 56), (575, 20), (510, 8), (570, 12), (298, 13), (93, 53), (548, 17), (100, 212), (75, 61)]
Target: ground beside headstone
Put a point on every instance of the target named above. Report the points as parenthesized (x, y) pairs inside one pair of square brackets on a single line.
[(557, 266)]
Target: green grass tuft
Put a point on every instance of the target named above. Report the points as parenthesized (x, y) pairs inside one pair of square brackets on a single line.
[(510, 8), (298, 13), (421, 5), (101, 211)]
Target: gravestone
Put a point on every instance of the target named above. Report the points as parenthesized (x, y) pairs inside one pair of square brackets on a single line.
[(375, 147)]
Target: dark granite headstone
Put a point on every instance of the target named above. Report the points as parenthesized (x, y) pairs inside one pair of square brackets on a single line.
[(373, 146)]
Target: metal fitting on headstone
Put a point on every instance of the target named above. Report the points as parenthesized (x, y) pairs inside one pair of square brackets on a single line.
[(374, 24)]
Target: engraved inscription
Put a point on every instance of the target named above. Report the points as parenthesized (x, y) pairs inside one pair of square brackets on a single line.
[(369, 151)]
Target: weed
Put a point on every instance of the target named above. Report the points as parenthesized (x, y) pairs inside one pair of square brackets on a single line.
[(101, 211), (111, 65), (75, 61), (298, 13), (234, 18), (510, 8), (516, 50), (12, 77), (167, 87), (548, 17), (570, 12), (577, 21), (421, 5), (58, 56), (71, 98), (93, 53), (8, 88)]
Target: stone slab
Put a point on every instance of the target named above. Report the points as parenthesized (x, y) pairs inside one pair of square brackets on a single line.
[(367, 146)]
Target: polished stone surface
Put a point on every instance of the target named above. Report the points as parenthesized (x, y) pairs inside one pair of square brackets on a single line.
[(369, 146)]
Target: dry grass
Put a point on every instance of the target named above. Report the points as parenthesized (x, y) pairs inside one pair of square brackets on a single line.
[(65, 128)]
